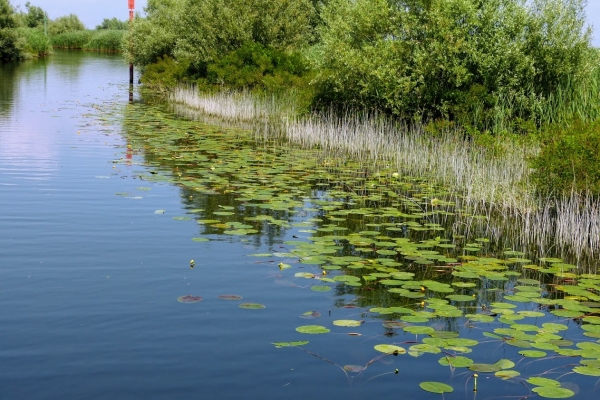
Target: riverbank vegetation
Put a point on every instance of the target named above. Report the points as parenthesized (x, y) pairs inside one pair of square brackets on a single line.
[(482, 97), (493, 71), (30, 33)]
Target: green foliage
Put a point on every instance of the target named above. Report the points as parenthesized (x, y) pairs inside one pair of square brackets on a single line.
[(165, 72), (37, 43), (199, 32), (10, 45), (569, 160), (481, 63), (255, 66), (67, 23), (35, 16), (71, 40), (105, 40), (154, 37), (113, 24)]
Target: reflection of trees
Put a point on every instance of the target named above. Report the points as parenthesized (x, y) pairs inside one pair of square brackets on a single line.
[(8, 77)]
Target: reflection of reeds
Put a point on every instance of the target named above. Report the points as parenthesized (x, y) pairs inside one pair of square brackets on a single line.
[(495, 185)]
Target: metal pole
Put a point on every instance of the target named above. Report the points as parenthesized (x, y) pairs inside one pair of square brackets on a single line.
[(131, 4)]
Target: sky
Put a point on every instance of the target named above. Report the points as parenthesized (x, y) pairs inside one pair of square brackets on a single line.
[(92, 12)]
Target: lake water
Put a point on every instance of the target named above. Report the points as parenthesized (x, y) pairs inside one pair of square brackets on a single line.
[(93, 257)]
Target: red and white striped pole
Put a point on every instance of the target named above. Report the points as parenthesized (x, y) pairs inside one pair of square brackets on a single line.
[(131, 5)]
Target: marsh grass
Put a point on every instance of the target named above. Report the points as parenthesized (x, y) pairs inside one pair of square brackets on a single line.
[(36, 43), (105, 40), (71, 40), (97, 40), (492, 181)]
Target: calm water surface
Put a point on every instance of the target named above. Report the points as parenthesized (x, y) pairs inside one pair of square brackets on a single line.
[(89, 279), (90, 274)]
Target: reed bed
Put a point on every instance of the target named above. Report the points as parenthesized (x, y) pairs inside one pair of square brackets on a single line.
[(490, 183), (97, 40)]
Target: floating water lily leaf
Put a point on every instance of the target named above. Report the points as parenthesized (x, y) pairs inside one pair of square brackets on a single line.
[(159, 212), (347, 322), (458, 361), (592, 320), (436, 387), (318, 288), (480, 318), (507, 374), (567, 313), (484, 367), (306, 275), (389, 349), (189, 299), (553, 392), (289, 344), (200, 239), (539, 381), (252, 306), (586, 370), (231, 297), (531, 313), (424, 348), (310, 315), (283, 266), (532, 353), (312, 329), (419, 330)]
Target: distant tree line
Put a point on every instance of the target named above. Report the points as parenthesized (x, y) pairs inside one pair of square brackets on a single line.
[(30, 33)]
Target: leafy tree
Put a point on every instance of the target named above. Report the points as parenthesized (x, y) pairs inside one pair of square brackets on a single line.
[(113, 24), (10, 46), (452, 59), (198, 32), (35, 16), (68, 23), (155, 36)]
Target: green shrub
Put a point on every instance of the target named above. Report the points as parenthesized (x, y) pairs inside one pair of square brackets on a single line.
[(37, 44), (164, 73), (67, 23), (481, 63), (11, 47), (35, 16), (255, 66), (569, 160), (202, 31), (113, 24), (105, 40)]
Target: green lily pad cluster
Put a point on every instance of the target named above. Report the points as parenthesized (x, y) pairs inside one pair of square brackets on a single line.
[(408, 253)]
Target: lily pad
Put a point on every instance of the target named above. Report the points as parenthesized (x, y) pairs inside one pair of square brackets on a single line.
[(436, 387), (553, 392), (189, 299), (312, 329), (320, 288), (347, 322), (252, 306), (389, 349), (231, 297), (289, 344), (310, 315)]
